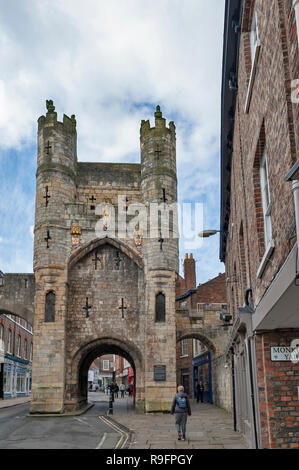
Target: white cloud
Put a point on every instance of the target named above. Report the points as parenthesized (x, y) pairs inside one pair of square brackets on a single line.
[(110, 63)]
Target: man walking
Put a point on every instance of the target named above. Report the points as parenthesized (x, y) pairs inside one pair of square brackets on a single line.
[(181, 409), (199, 391)]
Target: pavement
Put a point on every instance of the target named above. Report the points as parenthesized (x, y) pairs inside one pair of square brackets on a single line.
[(7, 402), (209, 427)]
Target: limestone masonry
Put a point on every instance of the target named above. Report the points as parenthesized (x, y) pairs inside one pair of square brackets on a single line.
[(98, 294)]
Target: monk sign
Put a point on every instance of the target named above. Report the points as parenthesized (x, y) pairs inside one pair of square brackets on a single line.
[(285, 353)]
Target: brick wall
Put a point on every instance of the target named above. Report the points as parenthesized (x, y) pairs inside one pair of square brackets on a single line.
[(278, 392), (271, 123)]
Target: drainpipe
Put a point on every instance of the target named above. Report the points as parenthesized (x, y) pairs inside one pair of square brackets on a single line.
[(296, 8), (252, 393), (234, 389)]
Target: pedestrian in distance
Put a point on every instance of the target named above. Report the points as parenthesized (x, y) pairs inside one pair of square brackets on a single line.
[(199, 391), (122, 388), (130, 390), (116, 390), (181, 410)]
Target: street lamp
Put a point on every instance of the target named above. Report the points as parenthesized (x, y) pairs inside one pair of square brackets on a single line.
[(208, 233)]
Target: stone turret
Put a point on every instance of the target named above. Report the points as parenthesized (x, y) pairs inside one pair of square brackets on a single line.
[(55, 189), (55, 184), (159, 185), (159, 188)]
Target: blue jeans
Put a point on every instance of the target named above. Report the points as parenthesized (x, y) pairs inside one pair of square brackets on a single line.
[(180, 422), (122, 393)]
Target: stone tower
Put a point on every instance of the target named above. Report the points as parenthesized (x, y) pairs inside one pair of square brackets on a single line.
[(159, 184), (98, 291), (55, 189)]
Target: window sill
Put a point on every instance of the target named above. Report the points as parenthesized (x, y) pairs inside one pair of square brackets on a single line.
[(185, 355), (264, 262), (252, 77)]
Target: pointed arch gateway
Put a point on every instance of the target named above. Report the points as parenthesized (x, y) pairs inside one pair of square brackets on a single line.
[(105, 276)]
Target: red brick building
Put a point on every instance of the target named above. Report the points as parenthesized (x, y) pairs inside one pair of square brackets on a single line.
[(208, 299), (259, 215)]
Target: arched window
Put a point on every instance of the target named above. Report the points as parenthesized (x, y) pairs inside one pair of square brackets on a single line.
[(50, 307), (160, 308)]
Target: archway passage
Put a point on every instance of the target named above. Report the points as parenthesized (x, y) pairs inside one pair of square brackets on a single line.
[(77, 377), (196, 364)]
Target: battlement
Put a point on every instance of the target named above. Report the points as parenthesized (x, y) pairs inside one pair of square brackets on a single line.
[(68, 125), (125, 175), (160, 125)]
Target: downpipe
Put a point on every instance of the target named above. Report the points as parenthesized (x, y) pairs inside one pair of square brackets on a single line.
[(252, 392), (234, 389)]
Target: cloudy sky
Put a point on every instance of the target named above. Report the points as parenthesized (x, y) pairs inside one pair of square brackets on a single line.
[(109, 63)]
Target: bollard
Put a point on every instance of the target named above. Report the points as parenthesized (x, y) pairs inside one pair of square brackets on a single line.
[(110, 410)]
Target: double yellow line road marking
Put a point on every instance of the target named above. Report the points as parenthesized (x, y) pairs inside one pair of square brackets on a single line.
[(124, 435)]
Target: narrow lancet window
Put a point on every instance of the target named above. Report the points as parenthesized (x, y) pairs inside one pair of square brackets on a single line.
[(50, 307), (160, 308)]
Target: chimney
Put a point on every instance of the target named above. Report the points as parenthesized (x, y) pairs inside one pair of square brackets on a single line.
[(189, 272)]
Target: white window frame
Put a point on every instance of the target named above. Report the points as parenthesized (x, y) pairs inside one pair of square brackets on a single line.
[(19, 346), (25, 348), (255, 46), (1, 332), (254, 34), (9, 337), (266, 200), (184, 346), (105, 361), (196, 347), (266, 204)]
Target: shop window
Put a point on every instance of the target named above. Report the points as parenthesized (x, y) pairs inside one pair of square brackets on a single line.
[(7, 379), (160, 308), (21, 383)]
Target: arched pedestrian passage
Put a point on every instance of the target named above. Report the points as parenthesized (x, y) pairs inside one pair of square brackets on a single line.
[(77, 375), (195, 365)]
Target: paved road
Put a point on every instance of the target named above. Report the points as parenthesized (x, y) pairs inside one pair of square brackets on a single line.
[(88, 431)]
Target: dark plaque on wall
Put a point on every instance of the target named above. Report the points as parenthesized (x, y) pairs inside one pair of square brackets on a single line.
[(159, 373)]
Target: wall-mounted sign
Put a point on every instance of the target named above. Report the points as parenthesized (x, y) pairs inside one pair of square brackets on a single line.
[(284, 353), (160, 373)]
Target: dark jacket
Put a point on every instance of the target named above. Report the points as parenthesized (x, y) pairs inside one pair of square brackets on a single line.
[(175, 407), (199, 388)]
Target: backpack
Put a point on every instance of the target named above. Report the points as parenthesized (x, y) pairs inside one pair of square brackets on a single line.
[(182, 402)]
